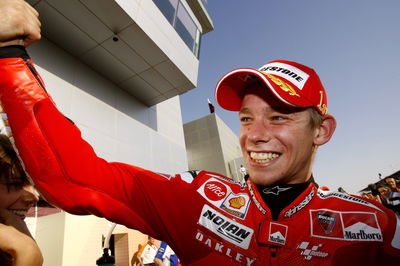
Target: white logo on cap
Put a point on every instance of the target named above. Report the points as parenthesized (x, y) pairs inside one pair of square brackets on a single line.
[(291, 73)]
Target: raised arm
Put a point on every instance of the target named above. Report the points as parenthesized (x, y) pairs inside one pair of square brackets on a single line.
[(64, 167)]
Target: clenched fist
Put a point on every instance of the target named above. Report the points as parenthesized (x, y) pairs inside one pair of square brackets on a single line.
[(19, 23)]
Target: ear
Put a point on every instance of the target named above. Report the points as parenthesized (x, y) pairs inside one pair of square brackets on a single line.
[(324, 132)]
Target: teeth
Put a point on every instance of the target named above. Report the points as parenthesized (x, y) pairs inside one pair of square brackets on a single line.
[(21, 213), (263, 157)]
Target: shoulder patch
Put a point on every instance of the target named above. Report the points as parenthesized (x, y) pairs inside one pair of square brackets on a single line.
[(346, 197), (221, 196)]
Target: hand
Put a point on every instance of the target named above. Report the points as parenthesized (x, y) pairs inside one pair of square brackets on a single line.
[(19, 23), (21, 247)]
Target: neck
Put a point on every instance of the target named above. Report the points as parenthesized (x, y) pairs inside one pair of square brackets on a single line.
[(277, 197)]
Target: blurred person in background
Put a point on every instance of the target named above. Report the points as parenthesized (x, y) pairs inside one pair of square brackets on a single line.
[(392, 184), (148, 252), (166, 256)]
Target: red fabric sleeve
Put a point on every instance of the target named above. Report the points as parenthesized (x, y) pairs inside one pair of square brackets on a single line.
[(66, 169)]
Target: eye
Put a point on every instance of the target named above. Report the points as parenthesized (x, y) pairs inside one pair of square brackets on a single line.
[(15, 184), (244, 119), (278, 118)]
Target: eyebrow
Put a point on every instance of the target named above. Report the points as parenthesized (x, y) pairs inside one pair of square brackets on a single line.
[(244, 111), (247, 110)]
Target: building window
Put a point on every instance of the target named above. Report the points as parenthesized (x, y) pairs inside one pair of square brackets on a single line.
[(176, 13), (168, 8)]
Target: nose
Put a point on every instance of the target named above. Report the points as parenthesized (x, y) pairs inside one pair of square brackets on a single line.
[(30, 195), (259, 132)]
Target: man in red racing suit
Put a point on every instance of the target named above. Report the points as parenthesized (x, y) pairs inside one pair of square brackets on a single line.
[(279, 220)]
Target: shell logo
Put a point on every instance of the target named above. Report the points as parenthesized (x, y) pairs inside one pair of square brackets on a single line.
[(237, 202)]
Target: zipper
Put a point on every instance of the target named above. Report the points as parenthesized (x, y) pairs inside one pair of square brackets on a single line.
[(34, 72), (273, 250)]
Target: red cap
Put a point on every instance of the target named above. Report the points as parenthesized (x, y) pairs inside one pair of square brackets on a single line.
[(292, 83)]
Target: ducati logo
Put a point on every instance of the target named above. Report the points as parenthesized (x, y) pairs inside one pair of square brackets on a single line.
[(327, 222)]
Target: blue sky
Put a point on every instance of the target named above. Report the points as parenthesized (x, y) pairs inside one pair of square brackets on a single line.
[(354, 47)]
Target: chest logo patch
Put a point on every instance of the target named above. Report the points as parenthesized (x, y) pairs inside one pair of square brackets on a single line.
[(214, 190), (277, 233), (222, 196), (327, 221), (349, 226), (231, 252), (228, 229), (362, 226), (236, 204), (310, 251)]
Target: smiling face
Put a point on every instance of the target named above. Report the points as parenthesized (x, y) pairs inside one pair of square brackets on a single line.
[(391, 182), (278, 142), (17, 199), (16, 193)]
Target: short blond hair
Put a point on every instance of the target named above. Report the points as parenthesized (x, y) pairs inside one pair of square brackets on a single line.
[(315, 117)]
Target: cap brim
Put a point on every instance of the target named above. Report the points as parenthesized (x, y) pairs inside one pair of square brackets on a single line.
[(230, 89)]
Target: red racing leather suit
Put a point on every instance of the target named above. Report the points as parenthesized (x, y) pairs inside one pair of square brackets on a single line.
[(207, 220)]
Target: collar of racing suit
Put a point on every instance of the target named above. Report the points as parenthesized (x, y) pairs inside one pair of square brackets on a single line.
[(277, 197)]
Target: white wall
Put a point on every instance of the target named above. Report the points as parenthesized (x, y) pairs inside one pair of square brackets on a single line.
[(119, 127), (150, 19), (230, 145), (49, 235)]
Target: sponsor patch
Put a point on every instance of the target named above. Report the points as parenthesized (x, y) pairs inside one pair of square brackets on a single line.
[(301, 205), (288, 72), (277, 233), (327, 221), (361, 226), (256, 202), (310, 251), (228, 229), (221, 196), (236, 204), (333, 194), (225, 249), (349, 226), (283, 85), (213, 190)]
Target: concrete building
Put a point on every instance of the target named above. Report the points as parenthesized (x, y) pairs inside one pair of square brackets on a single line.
[(117, 68), (211, 145)]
